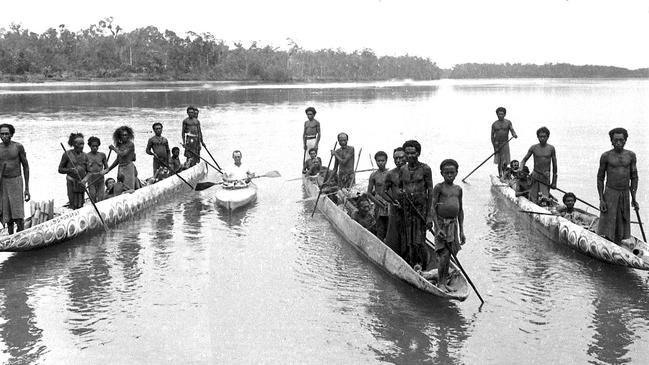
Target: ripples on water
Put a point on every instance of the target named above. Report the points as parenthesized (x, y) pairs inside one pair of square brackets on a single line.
[(188, 282)]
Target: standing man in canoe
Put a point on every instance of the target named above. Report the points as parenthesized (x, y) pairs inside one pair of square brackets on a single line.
[(416, 183), (545, 157), (192, 137), (238, 173), (375, 189), (499, 136), (125, 150), (619, 173), (311, 135), (394, 236), (74, 164), (158, 147), (12, 195), (344, 165)]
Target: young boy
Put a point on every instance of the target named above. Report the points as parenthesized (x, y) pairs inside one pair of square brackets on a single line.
[(344, 166), (174, 162), (308, 164), (158, 147), (363, 215), (110, 183), (523, 183), (448, 219), (375, 190), (96, 163)]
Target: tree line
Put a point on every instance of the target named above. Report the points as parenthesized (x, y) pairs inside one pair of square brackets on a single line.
[(549, 70), (105, 51)]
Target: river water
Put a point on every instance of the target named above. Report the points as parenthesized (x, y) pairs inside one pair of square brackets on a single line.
[(188, 283)]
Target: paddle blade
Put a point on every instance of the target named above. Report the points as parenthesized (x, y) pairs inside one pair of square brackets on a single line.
[(204, 185), (271, 174)]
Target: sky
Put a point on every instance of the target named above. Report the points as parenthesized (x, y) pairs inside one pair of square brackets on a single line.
[(448, 32)]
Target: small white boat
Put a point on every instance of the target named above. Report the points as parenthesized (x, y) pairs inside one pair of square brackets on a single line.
[(235, 197)]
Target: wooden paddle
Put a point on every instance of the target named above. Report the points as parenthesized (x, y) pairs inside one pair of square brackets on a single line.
[(212, 157), (324, 181), (175, 173), (453, 255), (487, 159), (312, 198), (300, 178), (637, 214), (208, 184), (85, 188)]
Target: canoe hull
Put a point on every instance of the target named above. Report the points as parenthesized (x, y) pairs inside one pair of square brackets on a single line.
[(563, 231), (376, 251), (113, 211), (233, 199)]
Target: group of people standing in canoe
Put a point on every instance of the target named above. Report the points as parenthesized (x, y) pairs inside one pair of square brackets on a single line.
[(407, 204), (617, 176), (85, 171)]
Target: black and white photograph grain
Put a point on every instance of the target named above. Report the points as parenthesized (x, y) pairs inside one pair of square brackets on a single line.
[(324, 182)]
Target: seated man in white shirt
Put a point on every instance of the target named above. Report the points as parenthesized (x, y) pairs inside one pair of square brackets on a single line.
[(237, 175)]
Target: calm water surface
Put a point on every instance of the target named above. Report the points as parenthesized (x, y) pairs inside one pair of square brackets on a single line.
[(189, 283)]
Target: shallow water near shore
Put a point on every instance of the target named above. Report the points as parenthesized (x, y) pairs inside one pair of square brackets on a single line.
[(189, 283)]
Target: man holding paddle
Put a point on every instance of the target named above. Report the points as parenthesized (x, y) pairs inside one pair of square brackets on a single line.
[(12, 197), (619, 173), (500, 138), (192, 137)]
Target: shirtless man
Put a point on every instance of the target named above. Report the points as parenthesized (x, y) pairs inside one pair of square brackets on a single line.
[(74, 164), (416, 184), (617, 168), (158, 146), (192, 137), (375, 189), (499, 135), (344, 165), (545, 157), (394, 236), (12, 195), (449, 219), (308, 164), (311, 135)]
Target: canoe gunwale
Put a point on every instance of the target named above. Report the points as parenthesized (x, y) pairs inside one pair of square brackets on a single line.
[(386, 259)]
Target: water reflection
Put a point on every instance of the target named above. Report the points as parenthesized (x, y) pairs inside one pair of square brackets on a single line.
[(621, 306), (416, 327), (119, 100)]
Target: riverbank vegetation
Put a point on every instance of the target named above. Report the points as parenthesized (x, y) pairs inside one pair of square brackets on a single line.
[(103, 51)]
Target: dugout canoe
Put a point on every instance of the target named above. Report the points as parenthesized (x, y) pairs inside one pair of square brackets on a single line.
[(377, 252), (74, 223), (233, 199), (633, 253)]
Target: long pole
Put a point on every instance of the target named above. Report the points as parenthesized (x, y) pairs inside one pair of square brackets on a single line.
[(555, 188), (206, 161), (358, 161), (212, 157), (92, 200), (452, 253), (325, 180), (637, 213), (487, 159), (169, 168), (304, 160)]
